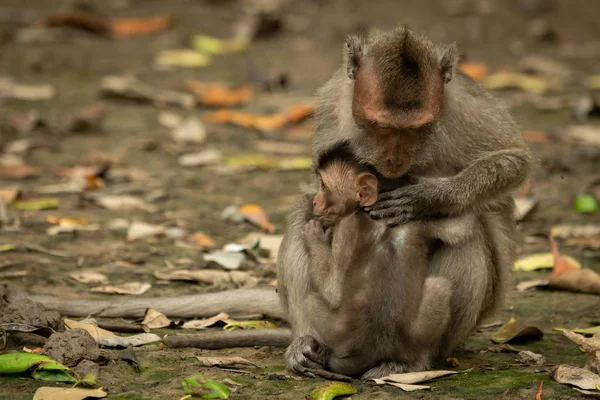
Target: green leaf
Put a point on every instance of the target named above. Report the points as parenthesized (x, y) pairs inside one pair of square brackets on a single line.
[(89, 379), (586, 204), (17, 363), (582, 331), (53, 376), (205, 388), (332, 390), (42, 203)]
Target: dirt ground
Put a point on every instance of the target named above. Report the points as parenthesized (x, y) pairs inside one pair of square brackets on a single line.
[(307, 49)]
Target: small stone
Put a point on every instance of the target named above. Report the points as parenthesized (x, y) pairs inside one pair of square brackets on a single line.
[(531, 358)]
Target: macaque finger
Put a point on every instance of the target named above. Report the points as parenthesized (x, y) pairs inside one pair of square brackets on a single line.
[(395, 221), (390, 195)]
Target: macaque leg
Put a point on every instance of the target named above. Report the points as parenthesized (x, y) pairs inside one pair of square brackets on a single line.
[(426, 330)]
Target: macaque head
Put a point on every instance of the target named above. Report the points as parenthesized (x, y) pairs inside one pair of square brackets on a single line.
[(399, 80), (343, 189)]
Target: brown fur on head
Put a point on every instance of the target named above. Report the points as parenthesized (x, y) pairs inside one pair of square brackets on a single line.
[(344, 187), (399, 82)]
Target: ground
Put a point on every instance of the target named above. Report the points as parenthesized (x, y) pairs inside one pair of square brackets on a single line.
[(308, 50)]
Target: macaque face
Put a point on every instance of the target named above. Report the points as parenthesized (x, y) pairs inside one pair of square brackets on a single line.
[(391, 135), (342, 191)]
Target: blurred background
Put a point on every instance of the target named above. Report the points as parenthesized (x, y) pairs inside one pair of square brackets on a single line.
[(143, 137)]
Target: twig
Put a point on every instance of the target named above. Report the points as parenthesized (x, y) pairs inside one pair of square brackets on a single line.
[(321, 373), (43, 250)]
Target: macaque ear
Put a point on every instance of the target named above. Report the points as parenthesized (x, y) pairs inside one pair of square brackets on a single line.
[(354, 47), (448, 56), (366, 185)]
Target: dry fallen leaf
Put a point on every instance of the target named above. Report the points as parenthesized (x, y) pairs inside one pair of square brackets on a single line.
[(477, 71), (93, 330), (87, 276), (279, 147), (184, 58), (17, 171), (578, 235), (203, 240), (265, 123), (13, 90), (256, 215), (581, 280), (225, 259), (142, 230), (124, 203), (62, 393), (131, 88), (410, 378), (205, 323), (134, 288), (223, 361), (527, 83), (536, 137), (9, 194), (523, 206), (514, 331), (126, 341), (190, 131), (155, 319), (403, 386), (539, 261), (531, 284), (216, 95), (583, 135), (582, 378), (202, 158), (126, 27), (561, 264)]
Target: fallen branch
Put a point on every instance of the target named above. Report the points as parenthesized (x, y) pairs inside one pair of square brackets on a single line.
[(239, 301), (279, 337)]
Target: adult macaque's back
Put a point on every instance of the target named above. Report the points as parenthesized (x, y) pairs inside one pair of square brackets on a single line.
[(403, 108)]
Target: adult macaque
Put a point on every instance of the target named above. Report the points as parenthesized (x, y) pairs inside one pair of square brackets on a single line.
[(374, 304), (403, 108)]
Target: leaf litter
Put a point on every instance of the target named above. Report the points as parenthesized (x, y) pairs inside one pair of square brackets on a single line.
[(131, 288)]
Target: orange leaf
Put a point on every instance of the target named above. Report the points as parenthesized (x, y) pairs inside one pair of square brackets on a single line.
[(269, 122), (214, 94), (538, 395), (561, 264), (66, 221), (536, 137), (203, 240), (257, 215), (125, 27), (477, 71)]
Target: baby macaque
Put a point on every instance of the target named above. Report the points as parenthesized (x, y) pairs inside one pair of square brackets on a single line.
[(373, 308)]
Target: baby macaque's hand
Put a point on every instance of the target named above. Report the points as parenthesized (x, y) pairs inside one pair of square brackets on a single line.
[(315, 233)]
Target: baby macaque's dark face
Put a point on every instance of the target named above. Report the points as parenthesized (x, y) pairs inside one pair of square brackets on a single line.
[(342, 190)]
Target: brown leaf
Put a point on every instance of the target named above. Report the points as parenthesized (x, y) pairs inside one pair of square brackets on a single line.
[(86, 119), (536, 137), (582, 378), (515, 330), (126, 27), (216, 95), (87, 276), (561, 264), (580, 280), (205, 323), (155, 319), (223, 361), (77, 19), (134, 288), (9, 194), (18, 172)]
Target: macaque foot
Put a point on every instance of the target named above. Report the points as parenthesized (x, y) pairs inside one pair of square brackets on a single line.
[(306, 352), (314, 232), (385, 369)]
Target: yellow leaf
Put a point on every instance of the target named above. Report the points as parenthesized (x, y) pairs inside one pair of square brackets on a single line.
[(539, 261), (213, 45), (182, 58), (256, 214), (249, 325), (7, 247), (297, 163)]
